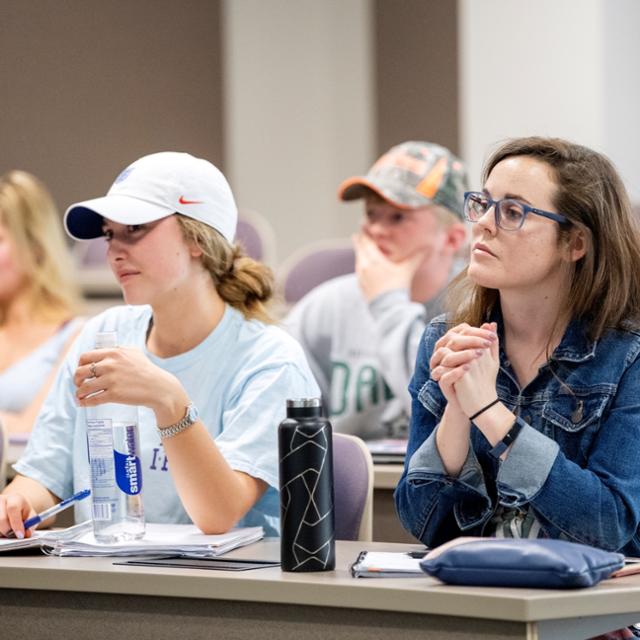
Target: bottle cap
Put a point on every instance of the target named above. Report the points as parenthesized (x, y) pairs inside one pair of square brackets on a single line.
[(302, 403)]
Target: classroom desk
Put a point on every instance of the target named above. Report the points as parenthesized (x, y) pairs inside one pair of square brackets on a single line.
[(386, 476), (46, 597), (386, 526)]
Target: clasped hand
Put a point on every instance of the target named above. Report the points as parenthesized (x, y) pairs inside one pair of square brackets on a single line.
[(124, 375), (465, 364)]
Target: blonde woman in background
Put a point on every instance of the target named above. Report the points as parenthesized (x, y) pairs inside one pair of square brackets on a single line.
[(39, 298), (209, 375)]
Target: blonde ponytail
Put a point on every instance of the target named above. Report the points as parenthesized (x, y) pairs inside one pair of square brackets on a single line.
[(244, 283)]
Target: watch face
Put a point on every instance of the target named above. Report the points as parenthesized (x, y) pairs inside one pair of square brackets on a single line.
[(192, 413)]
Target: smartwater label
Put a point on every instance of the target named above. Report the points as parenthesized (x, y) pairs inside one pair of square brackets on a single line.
[(127, 465), (100, 442)]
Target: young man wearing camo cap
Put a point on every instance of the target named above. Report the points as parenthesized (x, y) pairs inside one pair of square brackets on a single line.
[(361, 332)]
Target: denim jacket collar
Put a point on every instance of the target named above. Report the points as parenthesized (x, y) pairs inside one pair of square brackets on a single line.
[(575, 346)]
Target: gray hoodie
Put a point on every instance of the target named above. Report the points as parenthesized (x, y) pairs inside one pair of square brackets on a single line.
[(363, 354)]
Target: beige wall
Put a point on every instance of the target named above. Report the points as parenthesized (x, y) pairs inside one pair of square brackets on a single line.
[(89, 85), (312, 93), (556, 68), (298, 99), (315, 91), (416, 62)]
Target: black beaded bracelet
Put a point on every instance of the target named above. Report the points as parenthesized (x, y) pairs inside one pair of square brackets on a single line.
[(477, 413)]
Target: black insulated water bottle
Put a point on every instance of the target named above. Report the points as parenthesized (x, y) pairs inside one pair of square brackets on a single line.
[(307, 540)]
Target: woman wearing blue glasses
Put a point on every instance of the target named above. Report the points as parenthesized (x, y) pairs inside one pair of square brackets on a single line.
[(526, 400)]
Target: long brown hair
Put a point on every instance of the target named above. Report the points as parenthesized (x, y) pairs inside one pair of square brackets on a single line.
[(604, 288), (32, 220), (241, 281)]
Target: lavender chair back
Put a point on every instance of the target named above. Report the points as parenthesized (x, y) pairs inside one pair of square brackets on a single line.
[(313, 265), (353, 488), (247, 235), (256, 235)]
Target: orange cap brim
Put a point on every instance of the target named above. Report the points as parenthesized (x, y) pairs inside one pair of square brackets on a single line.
[(348, 190)]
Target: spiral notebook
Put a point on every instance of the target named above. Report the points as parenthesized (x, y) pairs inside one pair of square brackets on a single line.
[(388, 564), (45, 539)]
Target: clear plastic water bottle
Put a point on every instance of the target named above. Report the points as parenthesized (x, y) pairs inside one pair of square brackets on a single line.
[(116, 470), (305, 446)]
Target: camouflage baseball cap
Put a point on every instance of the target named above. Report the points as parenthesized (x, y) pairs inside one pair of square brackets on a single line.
[(413, 175)]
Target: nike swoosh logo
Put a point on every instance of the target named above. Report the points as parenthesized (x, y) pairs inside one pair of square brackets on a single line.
[(183, 200)]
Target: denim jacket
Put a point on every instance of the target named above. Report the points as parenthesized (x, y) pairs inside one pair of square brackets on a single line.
[(575, 463)]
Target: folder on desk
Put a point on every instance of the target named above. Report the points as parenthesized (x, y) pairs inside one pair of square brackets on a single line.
[(387, 450), (212, 564)]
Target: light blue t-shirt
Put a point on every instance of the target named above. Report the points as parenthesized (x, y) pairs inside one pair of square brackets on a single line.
[(239, 378), (22, 381)]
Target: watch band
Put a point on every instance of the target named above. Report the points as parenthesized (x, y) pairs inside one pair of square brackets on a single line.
[(190, 417), (507, 441)]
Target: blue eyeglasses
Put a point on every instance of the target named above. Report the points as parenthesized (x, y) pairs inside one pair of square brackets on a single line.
[(510, 214)]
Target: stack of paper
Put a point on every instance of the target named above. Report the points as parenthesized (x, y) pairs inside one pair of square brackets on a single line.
[(159, 540)]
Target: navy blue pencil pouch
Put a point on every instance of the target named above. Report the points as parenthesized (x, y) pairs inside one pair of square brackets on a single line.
[(538, 563)]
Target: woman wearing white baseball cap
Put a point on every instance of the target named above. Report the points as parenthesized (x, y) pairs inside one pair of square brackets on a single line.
[(209, 374)]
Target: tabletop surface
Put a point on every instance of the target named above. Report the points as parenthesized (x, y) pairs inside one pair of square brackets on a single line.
[(333, 589), (386, 476)]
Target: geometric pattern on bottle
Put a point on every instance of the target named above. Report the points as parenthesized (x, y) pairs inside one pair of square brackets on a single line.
[(311, 527)]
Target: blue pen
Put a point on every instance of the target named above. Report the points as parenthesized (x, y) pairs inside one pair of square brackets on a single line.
[(56, 509)]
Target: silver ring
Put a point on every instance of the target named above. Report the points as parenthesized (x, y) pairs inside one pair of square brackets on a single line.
[(92, 368)]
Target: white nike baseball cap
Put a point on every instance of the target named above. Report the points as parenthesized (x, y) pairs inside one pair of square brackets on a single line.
[(157, 186)]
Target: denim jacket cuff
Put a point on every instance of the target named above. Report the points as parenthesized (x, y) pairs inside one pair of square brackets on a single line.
[(472, 502), (426, 462), (526, 467)]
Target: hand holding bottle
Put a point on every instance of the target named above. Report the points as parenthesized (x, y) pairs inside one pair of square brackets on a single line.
[(126, 376), (113, 445)]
